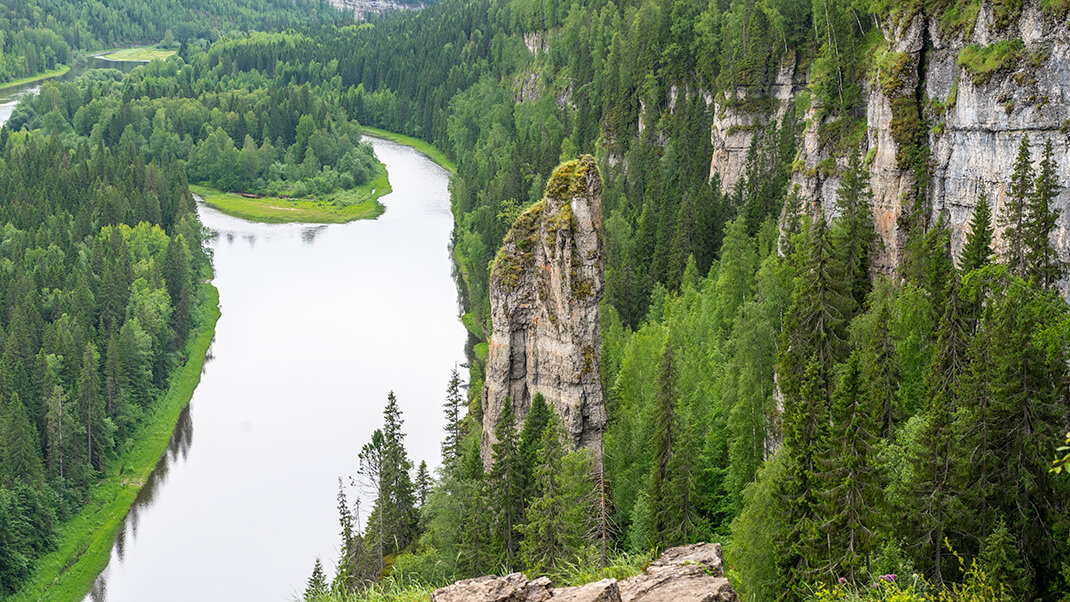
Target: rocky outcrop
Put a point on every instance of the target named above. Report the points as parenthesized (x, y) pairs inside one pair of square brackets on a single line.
[(362, 9), (972, 121), (545, 289), (686, 574), (737, 121)]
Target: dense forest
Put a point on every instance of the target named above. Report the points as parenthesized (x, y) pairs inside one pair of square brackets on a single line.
[(234, 135), (102, 258), (39, 36), (834, 426), (738, 332)]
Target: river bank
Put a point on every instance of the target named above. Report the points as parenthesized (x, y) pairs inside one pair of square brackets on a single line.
[(85, 541), (426, 148)]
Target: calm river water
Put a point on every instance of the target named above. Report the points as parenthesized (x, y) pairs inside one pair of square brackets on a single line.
[(319, 323)]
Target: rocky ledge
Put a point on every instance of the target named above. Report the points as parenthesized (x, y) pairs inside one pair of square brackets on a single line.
[(693, 573)]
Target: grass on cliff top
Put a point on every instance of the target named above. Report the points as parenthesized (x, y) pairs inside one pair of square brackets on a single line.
[(407, 584), (426, 148), (84, 542), (984, 61), (138, 54), (342, 206), (22, 81)]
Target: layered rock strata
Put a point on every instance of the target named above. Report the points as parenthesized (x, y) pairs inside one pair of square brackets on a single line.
[(545, 289)]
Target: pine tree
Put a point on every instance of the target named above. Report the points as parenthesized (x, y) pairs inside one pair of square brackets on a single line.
[(1015, 213), (373, 477), (91, 407), (554, 524), (977, 252), (1041, 257), (399, 503), (316, 586), (423, 484), (506, 480), (451, 443), (20, 459), (849, 501), (853, 233), (531, 437), (1001, 563)]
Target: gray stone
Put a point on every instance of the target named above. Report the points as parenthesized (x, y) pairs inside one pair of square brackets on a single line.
[(676, 583), (706, 555), (605, 590), (514, 587), (545, 288)]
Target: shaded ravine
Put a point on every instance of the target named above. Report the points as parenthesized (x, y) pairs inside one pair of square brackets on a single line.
[(318, 324)]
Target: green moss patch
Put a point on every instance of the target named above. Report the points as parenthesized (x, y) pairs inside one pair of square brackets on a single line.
[(982, 62)]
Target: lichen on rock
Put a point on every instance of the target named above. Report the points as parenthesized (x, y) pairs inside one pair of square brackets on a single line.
[(546, 285)]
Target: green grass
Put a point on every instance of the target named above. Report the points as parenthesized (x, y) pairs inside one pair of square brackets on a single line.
[(34, 78), (984, 61), (138, 53), (85, 541), (426, 148), (361, 202)]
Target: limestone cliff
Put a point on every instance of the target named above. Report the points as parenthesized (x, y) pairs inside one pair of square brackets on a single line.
[(971, 120), (545, 288)]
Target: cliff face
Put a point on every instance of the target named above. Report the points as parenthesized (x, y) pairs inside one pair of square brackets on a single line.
[(545, 290), (975, 122)]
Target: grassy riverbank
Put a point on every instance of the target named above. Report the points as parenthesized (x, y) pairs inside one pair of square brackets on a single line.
[(138, 54), (342, 206), (426, 148), (34, 78), (85, 541)]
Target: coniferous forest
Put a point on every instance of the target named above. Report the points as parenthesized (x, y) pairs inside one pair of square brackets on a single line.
[(848, 428)]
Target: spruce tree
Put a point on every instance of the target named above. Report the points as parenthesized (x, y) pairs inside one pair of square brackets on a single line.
[(1014, 217), (1041, 257), (506, 480), (977, 252), (316, 586), (664, 520), (1001, 563), (20, 459), (535, 422), (451, 443), (853, 232), (555, 521), (399, 503), (373, 478), (91, 407), (423, 484), (849, 502)]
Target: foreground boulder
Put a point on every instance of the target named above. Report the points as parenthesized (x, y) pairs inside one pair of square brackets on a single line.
[(693, 573)]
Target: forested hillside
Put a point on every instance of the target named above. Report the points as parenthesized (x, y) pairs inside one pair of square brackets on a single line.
[(861, 397), (870, 408), (41, 35), (102, 260)]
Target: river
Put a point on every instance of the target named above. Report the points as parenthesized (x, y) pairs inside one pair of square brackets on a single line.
[(318, 324), (11, 95)]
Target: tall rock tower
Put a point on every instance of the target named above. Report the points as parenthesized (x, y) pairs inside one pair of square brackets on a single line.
[(545, 288)]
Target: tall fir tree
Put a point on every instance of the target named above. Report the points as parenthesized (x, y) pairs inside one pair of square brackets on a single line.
[(20, 459), (451, 443), (977, 252), (506, 480), (1014, 217), (849, 502), (853, 232), (1041, 256)]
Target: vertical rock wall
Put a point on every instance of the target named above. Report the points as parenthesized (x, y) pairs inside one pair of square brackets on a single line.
[(974, 121), (545, 289)]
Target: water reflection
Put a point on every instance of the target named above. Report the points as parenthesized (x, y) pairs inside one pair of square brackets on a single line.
[(177, 448), (309, 234), (319, 323)]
